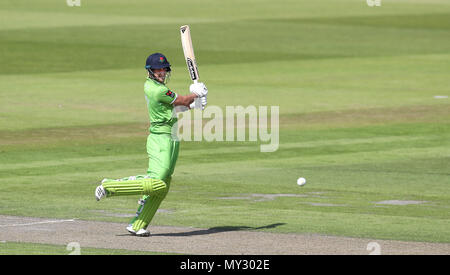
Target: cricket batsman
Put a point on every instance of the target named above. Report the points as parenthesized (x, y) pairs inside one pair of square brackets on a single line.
[(162, 147)]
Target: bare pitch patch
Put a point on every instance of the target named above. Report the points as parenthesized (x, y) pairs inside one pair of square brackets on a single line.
[(269, 197), (400, 202), (325, 204), (219, 240)]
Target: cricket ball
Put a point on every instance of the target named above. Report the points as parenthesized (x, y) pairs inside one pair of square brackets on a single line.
[(301, 181)]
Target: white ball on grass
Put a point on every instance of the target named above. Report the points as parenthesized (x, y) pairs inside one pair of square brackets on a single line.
[(301, 181)]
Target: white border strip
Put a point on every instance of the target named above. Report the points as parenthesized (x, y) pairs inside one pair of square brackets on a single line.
[(34, 223)]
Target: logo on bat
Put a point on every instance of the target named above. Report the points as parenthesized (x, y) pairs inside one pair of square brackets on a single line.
[(191, 67)]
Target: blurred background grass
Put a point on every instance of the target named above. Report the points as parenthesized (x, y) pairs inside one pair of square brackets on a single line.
[(356, 87)]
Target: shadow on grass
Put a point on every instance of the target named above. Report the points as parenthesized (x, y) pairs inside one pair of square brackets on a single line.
[(218, 229)]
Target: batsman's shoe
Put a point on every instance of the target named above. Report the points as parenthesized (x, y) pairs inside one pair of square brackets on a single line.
[(143, 233), (130, 229), (100, 192)]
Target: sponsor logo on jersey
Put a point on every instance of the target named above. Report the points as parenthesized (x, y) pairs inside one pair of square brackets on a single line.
[(170, 93)]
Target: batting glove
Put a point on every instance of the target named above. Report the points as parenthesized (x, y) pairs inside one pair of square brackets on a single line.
[(199, 103), (204, 102), (199, 89)]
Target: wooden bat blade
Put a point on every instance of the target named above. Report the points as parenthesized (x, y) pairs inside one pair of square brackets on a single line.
[(188, 51)]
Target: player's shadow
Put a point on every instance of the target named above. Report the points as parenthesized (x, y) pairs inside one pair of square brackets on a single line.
[(218, 229)]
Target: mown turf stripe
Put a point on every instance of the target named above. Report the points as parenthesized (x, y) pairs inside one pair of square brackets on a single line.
[(239, 166), (433, 21), (214, 151)]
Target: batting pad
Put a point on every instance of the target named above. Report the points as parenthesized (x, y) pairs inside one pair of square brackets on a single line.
[(141, 203), (144, 186), (151, 205)]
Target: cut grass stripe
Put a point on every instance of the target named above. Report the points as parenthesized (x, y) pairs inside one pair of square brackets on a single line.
[(217, 150)]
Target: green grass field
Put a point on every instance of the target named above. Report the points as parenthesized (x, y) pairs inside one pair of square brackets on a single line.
[(14, 248), (362, 91)]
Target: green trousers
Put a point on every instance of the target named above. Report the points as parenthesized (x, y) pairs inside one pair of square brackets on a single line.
[(162, 153)]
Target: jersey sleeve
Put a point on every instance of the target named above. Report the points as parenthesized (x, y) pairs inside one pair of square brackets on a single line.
[(165, 95)]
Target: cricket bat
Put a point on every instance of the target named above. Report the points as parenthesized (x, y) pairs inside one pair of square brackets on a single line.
[(188, 50)]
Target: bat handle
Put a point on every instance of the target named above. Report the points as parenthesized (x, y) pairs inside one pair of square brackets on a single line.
[(198, 102)]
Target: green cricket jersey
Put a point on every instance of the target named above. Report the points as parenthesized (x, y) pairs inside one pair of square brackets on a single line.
[(159, 102)]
